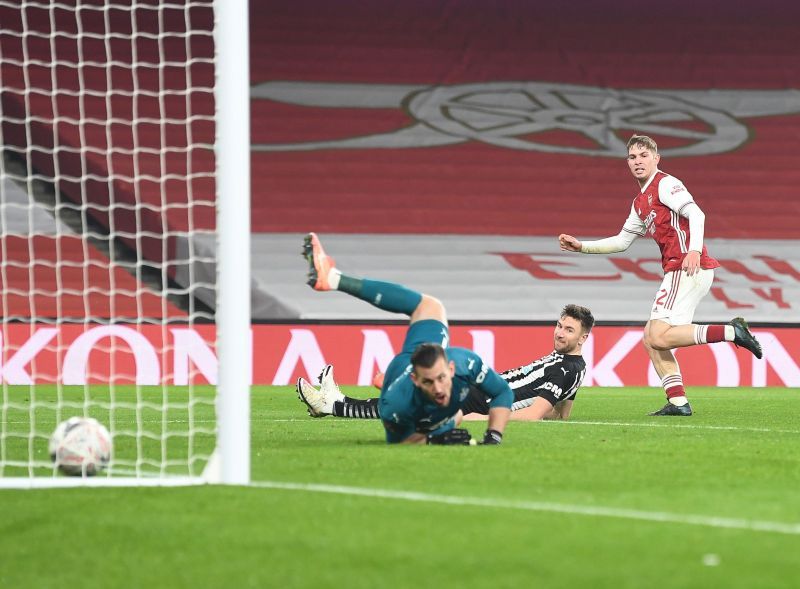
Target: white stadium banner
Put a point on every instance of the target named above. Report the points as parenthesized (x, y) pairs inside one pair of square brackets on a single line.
[(502, 278), (281, 353)]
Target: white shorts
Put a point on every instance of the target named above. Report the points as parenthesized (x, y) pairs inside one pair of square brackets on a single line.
[(679, 295)]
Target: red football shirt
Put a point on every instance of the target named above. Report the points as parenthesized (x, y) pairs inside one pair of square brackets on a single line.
[(657, 210)]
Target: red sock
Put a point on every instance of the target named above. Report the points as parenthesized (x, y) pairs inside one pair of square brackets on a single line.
[(709, 334), (676, 391), (673, 386), (715, 333)]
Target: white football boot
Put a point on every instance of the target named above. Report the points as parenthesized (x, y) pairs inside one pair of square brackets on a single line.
[(314, 399), (328, 387)]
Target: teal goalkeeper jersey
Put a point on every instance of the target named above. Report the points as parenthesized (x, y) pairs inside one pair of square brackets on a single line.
[(405, 409)]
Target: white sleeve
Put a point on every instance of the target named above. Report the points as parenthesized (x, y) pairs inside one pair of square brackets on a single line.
[(633, 228), (673, 194), (697, 226)]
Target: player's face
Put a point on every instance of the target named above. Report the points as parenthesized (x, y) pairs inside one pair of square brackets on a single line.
[(642, 162), (435, 382), (568, 336)]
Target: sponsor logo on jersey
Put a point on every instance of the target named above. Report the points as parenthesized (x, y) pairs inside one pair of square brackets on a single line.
[(677, 188), (556, 390), (482, 374), (463, 393), (649, 222)]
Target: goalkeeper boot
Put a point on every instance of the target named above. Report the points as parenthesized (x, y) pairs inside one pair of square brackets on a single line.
[(670, 409), (328, 387), (314, 399), (743, 338), (319, 263)]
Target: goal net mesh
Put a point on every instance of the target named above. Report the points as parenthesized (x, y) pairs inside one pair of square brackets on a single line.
[(107, 216)]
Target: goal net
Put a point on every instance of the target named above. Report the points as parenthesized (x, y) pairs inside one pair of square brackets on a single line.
[(110, 234)]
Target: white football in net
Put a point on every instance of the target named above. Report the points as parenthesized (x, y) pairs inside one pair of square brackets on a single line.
[(80, 446)]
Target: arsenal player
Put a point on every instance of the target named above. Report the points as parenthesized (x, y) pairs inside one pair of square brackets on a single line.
[(666, 210)]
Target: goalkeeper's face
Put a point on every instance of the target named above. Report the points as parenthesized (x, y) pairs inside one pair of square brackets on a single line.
[(569, 336), (435, 382)]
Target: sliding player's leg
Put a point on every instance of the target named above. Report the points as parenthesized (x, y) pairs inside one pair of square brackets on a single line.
[(428, 323), (323, 275), (329, 400)]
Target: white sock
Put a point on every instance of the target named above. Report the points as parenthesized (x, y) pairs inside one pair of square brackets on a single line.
[(730, 333), (333, 278), (679, 401), (700, 334)]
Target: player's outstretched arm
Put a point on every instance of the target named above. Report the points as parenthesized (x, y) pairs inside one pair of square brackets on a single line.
[(400, 428), (560, 411), (498, 418), (569, 243), (415, 438), (540, 409), (632, 228), (502, 397)]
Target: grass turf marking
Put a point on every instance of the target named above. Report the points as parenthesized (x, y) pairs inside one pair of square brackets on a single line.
[(792, 529)]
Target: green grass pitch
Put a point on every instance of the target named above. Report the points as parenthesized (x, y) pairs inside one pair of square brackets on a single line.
[(612, 498)]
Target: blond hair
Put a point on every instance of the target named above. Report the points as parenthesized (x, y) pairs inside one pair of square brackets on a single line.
[(644, 141)]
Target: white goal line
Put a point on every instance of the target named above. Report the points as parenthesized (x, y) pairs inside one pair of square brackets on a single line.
[(566, 508), (43, 482), (673, 425)]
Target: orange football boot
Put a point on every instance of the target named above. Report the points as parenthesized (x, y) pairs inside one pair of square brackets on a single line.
[(319, 263)]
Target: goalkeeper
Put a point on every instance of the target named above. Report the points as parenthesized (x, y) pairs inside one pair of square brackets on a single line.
[(427, 383), (543, 389)]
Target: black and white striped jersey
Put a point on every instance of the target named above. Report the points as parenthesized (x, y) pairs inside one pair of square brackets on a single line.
[(555, 377)]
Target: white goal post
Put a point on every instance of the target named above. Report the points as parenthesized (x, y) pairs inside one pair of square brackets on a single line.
[(125, 138)]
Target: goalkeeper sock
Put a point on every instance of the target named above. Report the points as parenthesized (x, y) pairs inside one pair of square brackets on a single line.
[(358, 408), (334, 277), (384, 295)]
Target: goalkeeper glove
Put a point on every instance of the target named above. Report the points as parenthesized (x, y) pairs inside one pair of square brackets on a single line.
[(459, 437), (492, 437)]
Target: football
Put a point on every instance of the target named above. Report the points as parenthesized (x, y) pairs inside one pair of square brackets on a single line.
[(80, 446)]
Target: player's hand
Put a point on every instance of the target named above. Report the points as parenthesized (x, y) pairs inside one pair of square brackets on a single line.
[(691, 263), (569, 243), (492, 437), (453, 437)]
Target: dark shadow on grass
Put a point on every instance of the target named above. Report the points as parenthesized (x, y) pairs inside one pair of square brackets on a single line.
[(335, 443)]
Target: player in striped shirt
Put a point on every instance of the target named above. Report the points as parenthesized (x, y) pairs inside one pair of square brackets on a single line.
[(544, 389), (667, 211)]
